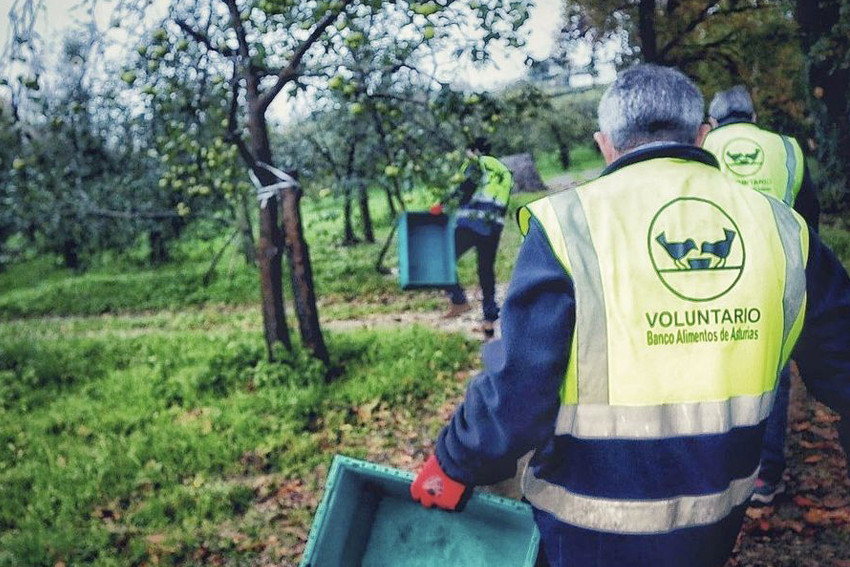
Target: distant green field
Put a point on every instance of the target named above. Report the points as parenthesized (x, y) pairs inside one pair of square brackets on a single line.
[(344, 275)]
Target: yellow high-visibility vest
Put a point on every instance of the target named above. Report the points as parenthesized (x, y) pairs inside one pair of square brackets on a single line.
[(690, 295), (759, 159), (670, 260)]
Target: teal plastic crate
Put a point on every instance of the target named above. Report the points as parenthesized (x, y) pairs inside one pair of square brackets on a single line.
[(426, 251), (367, 518)]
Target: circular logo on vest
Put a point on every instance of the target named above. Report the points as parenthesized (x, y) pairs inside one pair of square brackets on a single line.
[(696, 249), (743, 157)]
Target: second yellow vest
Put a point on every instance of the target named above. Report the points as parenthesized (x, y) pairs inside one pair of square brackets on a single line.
[(759, 159)]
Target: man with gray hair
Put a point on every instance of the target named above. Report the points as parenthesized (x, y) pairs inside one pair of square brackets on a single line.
[(759, 159), (641, 345)]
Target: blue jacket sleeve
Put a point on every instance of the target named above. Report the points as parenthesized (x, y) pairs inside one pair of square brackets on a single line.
[(823, 350), (511, 406), (807, 201)]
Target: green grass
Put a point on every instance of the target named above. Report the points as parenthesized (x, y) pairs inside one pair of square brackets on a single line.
[(837, 237), (115, 447), (583, 157)]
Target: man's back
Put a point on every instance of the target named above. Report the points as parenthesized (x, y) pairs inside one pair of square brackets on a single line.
[(683, 285), (759, 159)]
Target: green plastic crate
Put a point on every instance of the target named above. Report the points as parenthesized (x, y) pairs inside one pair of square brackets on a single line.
[(367, 518), (426, 250)]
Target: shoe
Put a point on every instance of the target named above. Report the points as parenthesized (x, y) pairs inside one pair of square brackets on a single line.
[(488, 329), (766, 491), (456, 310)]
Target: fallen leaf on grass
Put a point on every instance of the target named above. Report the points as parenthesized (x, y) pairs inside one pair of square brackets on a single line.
[(805, 502), (759, 512), (822, 517), (793, 525), (824, 432), (824, 416), (826, 445), (835, 501)]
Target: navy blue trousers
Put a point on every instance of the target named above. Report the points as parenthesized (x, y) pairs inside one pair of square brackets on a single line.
[(485, 247)]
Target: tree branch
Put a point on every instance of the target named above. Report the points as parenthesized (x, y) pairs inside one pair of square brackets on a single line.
[(132, 215), (700, 18), (232, 135), (692, 25), (202, 39), (290, 71)]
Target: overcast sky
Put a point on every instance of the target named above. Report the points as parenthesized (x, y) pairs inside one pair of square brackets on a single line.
[(60, 17)]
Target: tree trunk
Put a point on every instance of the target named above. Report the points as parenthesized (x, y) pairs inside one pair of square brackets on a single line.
[(365, 214), (69, 254), (646, 31), (159, 251), (270, 247), (563, 147), (829, 84), (303, 289), (524, 171), (249, 250), (348, 237), (390, 203)]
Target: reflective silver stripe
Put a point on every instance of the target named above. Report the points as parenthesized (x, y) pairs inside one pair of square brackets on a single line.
[(592, 421), (480, 198), (591, 321), (635, 516), (795, 267), (489, 216), (791, 166)]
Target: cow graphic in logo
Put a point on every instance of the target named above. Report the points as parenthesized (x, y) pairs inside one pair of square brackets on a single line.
[(696, 249), (743, 157)]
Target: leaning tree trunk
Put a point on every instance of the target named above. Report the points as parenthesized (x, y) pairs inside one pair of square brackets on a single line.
[(270, 246), (303, 289), (390, 203)]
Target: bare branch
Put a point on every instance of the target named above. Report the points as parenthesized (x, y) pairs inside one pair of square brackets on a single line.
[(202, 39), (236, 22)]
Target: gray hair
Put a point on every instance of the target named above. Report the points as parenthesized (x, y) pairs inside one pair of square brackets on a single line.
[(732, 104), (648, 103)]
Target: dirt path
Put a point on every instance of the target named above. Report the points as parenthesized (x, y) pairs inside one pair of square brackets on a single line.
[(571, 179), (467, 324), (809, 526)]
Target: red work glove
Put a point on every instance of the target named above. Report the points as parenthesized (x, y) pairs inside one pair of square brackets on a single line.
[(436, 209), (433, 486)]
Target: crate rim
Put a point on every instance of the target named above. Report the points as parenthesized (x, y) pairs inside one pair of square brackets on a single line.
[(342, 461)]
